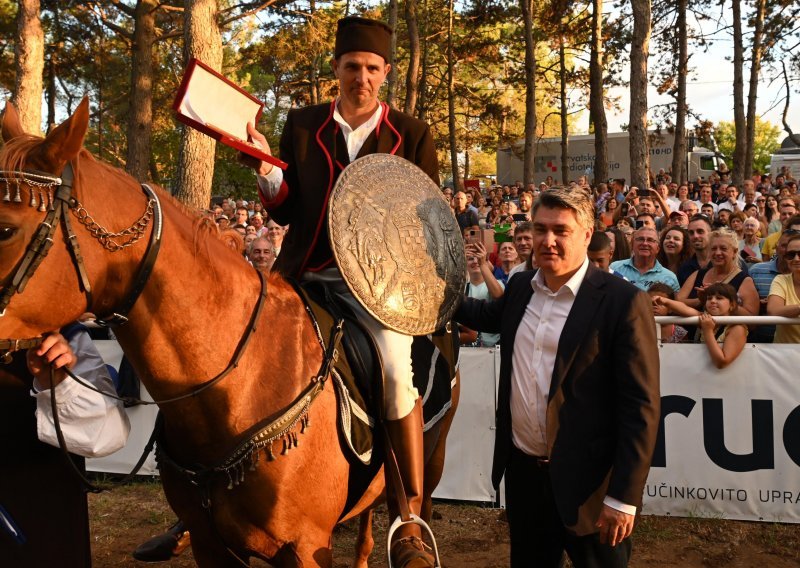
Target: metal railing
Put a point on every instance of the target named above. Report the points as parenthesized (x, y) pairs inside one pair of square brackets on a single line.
[(728, 320)]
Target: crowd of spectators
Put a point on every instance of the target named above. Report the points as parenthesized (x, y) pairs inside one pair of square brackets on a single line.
[(247, 228), (706, 248), (702, 248)]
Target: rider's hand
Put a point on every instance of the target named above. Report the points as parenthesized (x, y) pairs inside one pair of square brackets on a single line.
[(54, 351), (258, 139)]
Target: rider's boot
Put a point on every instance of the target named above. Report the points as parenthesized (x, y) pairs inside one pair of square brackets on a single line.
[(408, 550), (164, 546)]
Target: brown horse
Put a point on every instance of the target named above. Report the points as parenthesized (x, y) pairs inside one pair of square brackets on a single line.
[(183, 330)]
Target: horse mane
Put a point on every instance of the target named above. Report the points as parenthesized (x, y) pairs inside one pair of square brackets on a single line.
[(13, 152)]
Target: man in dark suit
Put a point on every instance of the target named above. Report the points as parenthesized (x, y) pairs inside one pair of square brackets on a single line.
[(578, 401)]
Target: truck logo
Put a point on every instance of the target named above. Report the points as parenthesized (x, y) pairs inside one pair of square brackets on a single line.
[(545, 164)]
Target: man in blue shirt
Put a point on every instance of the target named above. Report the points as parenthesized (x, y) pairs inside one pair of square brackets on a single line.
[(642, 269)]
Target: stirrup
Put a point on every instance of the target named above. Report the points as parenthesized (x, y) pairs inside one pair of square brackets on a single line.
[(414, 520)]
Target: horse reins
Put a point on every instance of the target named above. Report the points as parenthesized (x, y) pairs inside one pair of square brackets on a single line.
[(57, 205)]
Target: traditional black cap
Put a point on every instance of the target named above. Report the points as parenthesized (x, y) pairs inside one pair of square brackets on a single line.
[(354, 33)]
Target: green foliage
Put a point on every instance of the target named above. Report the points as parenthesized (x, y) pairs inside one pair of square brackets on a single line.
[(282, 56), (8, 14), (766, 141)]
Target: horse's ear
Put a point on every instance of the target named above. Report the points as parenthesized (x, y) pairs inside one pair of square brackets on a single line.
[(11, 124), (66, 140)]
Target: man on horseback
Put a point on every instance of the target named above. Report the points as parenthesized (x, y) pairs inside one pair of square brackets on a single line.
[(318, 142)]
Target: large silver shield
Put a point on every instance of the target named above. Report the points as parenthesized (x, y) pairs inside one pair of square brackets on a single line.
[(397, 243)]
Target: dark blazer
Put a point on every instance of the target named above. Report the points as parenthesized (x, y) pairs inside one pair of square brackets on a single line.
[(313, 145), (604, 404)]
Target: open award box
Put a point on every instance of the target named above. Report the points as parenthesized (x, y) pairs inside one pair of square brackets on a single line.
[(215, 106)]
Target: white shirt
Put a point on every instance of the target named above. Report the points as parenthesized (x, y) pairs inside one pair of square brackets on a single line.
[(534, 356), (354, 138), (517, 268), (674, 203), (481, 292), (700, 206), (729, 206), (532, 363), (93, 425)]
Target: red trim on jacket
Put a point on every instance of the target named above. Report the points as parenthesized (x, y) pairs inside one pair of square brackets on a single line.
[(280, 197), (385, 117), (327, 192), (331, 160)]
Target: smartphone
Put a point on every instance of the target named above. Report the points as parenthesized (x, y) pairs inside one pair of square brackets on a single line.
[(519, 217), (639, 224), (501, 233), (473, 236)]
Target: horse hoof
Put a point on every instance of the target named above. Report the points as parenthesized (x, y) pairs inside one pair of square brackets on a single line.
[(411, 552)]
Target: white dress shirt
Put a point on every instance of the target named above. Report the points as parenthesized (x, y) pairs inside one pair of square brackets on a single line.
[(93, 425), (354, 138), (534, 356), (532, 362)]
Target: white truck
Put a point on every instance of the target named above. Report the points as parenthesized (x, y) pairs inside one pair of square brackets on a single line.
[(788, 157), (701, 162)]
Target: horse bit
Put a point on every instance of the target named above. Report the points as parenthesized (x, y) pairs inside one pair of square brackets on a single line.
[(56, 204)]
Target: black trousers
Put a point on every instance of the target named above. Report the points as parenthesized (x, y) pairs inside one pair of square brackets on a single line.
[(538, 536)]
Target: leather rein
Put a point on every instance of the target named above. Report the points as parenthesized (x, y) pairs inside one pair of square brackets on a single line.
[(58, 204)]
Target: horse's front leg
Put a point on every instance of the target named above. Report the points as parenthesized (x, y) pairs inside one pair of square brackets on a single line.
[(313, 551), (212, 553), (364, 541)]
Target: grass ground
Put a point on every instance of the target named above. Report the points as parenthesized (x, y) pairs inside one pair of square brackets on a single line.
[(469, 536)]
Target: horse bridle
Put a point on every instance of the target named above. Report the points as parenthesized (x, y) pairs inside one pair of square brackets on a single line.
[(57, 205)]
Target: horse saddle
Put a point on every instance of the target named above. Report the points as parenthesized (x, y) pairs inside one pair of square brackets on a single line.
[(357, 371)]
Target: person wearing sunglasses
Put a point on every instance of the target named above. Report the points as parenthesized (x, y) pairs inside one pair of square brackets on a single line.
[(763, 275), (784, 294)]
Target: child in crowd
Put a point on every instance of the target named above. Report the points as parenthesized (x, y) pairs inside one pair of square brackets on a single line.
[(670, 333), (724, 343)]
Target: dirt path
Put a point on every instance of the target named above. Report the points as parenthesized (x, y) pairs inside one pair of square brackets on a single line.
[(469, 536)]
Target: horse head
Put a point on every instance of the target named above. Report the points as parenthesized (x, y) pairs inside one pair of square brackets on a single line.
[(41, 288)]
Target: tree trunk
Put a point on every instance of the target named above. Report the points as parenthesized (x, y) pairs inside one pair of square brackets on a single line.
[(528, 169), (196, 160), (451, 104), (562, 72), (313, 75), (52, 73), (29, 66), (755, 69), (412, 73), (422, 95), (391, 83), (640, 43), (140, 111), (679, 173), (740, 147), (597, 109)]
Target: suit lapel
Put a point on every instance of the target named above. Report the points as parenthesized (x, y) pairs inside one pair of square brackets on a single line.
[(576, 326), (520, 306), (517, 300)]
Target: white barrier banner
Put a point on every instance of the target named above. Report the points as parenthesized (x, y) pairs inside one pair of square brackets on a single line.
[(467, 472), (729, 446), (730, 439)]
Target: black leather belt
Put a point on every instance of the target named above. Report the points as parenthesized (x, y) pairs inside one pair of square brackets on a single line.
[(541, 462)]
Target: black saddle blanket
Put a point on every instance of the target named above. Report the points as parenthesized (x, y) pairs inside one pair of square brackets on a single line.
[(357, 371)]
